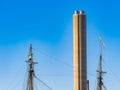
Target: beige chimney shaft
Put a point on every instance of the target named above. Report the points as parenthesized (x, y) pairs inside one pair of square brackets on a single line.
[(79, 50)]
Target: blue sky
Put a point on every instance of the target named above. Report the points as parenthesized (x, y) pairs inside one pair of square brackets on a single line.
[(47, 24)]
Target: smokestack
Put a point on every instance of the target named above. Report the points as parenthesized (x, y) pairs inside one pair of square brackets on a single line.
[(79, 50)]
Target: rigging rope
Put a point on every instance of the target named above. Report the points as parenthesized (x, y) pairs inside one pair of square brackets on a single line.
[(11, 84), (43, 83), (53, 58), (111, 71), (58, 60)]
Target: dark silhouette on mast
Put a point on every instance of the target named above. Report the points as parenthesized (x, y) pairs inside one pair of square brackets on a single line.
[(100, 71)]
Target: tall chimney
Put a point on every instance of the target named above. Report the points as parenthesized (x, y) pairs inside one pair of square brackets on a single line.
[(79, 50)]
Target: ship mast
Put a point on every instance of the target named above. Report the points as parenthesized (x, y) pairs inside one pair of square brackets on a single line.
[(100, 71), (30, 70)]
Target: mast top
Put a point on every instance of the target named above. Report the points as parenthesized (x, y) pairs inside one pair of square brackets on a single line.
[(101, 44), (30, 53)]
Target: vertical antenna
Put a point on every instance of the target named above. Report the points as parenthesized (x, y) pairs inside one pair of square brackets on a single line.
[(30, 70), (100, 72)]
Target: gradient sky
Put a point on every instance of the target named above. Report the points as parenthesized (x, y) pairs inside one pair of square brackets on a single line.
[(47, 24)]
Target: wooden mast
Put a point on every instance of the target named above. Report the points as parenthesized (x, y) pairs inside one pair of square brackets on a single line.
[(100, 71), (30, 70)]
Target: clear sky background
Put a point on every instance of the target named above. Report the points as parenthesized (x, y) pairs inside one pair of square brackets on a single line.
[(47, 24)]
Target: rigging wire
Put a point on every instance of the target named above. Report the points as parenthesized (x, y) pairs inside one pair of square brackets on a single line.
[(53, 58), (24, 82), (54, 75), (15, 78), (27, 86), (58, 60), (104, 87), (43, 83), (95, 84), (111, 71), (15, 86), (35, 85)]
